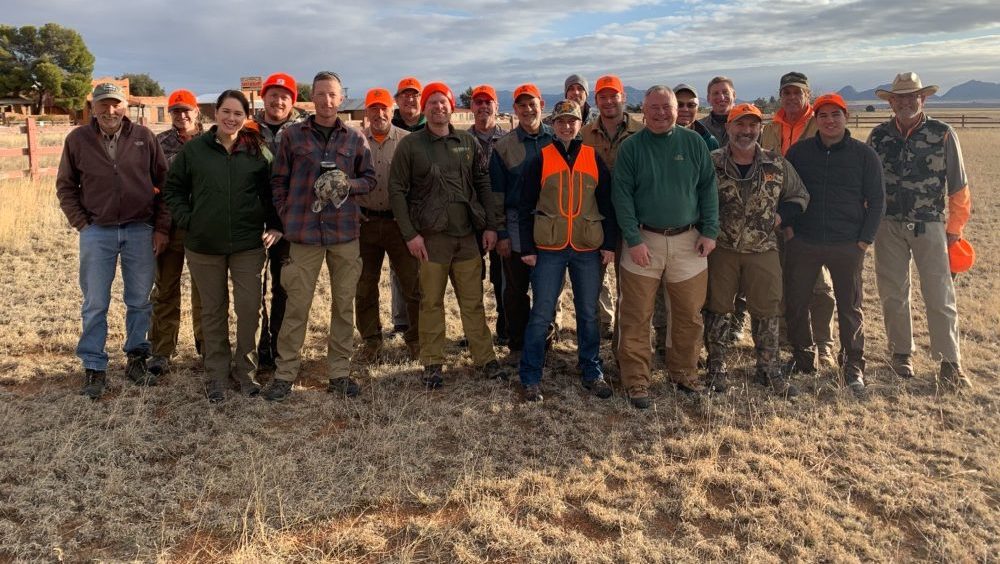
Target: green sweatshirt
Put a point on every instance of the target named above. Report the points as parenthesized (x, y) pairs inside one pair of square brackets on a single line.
[(665, 180)]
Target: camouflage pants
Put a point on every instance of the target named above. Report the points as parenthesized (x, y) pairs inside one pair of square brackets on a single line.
[(765, 339)]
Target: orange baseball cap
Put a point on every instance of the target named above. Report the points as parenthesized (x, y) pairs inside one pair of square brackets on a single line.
[(378, 96), (408, 83), (740, 110), (436, 87), (283, 80), (831, 98), (182, 99), (484, 90), (609, 81), (961, 256), (529, 89)]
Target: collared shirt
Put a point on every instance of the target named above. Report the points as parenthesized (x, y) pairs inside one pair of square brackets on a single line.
[(110, 142), (172, 141), (296, 168), (378, 198), (593, 134), (486, 142)]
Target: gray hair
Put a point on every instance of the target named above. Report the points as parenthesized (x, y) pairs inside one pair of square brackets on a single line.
[(658, 89)]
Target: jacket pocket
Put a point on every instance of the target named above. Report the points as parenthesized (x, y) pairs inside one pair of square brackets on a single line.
[(547, 232)]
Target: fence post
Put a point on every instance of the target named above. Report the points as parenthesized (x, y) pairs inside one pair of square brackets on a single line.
[(31, 130), (963, 121)]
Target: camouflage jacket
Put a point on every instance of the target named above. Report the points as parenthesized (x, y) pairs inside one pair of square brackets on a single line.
[(172, 142), (273, 139), (486, 144), (921, 168), (747, 206)]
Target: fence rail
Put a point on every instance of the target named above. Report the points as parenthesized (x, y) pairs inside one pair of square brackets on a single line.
[(34, 151)]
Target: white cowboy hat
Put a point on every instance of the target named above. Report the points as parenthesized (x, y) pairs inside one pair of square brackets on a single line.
[(906, 83)]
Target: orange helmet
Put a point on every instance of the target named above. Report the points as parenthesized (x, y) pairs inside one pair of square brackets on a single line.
[(961, 256)]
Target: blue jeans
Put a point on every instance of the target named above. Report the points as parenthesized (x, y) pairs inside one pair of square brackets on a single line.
[(546, 286), (100, 247)]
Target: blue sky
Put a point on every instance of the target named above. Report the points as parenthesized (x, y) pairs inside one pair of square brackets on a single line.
[(206, 47)]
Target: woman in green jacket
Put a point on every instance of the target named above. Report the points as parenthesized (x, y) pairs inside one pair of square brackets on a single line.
[(218, 190)]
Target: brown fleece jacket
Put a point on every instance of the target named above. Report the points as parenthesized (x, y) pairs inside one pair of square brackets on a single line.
[(94, 189)]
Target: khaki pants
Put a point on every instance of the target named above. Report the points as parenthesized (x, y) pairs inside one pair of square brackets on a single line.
[(450, 259), (166, 297), (298, 278), (686, 285), (755, 275), (212, 273), (895, 244)]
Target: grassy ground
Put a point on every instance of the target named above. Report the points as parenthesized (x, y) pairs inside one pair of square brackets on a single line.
[(470, 473)]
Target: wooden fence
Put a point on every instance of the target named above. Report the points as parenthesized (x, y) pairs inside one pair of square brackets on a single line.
[(34, 151)]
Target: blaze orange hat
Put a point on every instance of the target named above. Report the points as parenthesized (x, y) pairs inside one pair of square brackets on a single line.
[(609, 81), (378, 96), (182, 99), (283, 80), (436, 87), (831, 98), (529, 89), (408, 83), (740, 110), (961, 256), (484, 90)]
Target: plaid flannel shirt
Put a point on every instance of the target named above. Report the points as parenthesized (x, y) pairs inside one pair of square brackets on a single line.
[(296, 168)]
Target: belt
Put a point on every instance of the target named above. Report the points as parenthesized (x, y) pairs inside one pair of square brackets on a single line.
[(387, 214), (669, 231)]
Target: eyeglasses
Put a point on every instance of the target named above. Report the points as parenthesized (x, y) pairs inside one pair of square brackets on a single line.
[(689, 105), (409, 94)]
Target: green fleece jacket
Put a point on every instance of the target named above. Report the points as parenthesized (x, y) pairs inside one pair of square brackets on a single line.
[(223, 200), (663, 181)]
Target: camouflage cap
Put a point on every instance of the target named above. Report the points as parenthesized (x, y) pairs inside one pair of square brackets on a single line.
[(107, 90), (567, 108)]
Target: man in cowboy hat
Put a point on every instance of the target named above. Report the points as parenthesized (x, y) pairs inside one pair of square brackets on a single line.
[(927, 206)]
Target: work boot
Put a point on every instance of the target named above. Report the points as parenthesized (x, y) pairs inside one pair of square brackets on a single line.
[(855, 381), (691, 388), (533, 393), (158, 365), (215, 389), (952, 376), (93, 383), (136, 371), (598, 387), (433, 377), (277, 390), (902, 365), (343, 385), (249, 386), (825, 358)]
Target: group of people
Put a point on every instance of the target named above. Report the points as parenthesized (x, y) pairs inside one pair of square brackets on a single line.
[(700, 219)]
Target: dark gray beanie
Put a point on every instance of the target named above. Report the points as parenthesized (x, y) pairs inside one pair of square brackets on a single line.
[(576, 79)]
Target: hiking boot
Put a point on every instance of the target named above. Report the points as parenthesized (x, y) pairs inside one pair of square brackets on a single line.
[(826, 360), (433, 377), (795, 367), (533, 392), (136, 371), (93, 383), (493, 370), (249, 386), (277, 390), (158, 365), (598, 387), (855, 382), (717, 382), (343, 385), (639, 397), (216, 390), (779, 384), (902, 365), (953, 376), (690, 389), (368, 353)]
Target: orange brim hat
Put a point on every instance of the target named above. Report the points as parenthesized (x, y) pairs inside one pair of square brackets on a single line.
[(740, 110), (484, 90), (832, 98), (378, 96)]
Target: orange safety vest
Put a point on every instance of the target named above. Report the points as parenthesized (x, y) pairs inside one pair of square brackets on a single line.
[(566, 214)]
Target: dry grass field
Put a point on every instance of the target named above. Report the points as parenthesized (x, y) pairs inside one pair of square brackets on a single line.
[(469, 473)]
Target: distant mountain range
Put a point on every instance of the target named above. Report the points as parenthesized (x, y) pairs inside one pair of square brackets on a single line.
[(971, 91)]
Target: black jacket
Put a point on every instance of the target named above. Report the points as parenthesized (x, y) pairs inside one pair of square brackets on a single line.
[(846, 190)]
